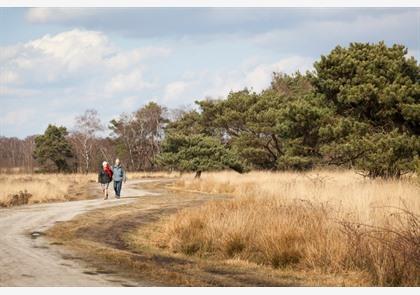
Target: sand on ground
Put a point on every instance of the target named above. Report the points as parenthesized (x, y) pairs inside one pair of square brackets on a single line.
[(29, 259)]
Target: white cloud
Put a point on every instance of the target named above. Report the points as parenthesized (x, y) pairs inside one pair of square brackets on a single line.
[(130, 102), (9, 77), (327, 33), (58, 76), (8, 52), (65, 56), (174, 90), (259, 78), (128, 82), (124, 60), (79, 58), (17, 118), (17, 92), (73, 45), (252, 75), (220, 84)]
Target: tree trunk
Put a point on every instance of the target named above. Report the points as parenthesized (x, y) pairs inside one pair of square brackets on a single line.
[(197, 174), (86, 162)]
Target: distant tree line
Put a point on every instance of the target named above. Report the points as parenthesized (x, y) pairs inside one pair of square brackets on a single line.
[(17, 153), (359, 108)]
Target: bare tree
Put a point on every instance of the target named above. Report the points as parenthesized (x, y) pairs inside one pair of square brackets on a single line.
[(28, 151), (17, 153), (84, 134), (140, 135), (125, 134), (149, 121)]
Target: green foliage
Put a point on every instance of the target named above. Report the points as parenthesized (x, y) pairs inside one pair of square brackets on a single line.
[(287, 85), (197, 153), (388, 155), (372, 83), (277, 129), (52, 150), (374, 92), (190, 122)]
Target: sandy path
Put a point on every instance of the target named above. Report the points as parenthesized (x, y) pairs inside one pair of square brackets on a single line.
[(29, 261)]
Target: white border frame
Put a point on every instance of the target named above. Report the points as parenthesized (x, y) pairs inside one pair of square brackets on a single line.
[(209, 3)]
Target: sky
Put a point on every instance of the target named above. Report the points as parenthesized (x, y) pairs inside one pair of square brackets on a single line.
[(57, 62)]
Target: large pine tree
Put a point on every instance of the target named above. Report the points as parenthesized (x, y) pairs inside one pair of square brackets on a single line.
[(374, 92)]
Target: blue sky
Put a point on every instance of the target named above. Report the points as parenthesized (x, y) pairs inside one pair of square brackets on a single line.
[(57, 62)]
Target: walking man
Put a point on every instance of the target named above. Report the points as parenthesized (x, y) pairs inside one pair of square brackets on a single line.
[(119, 177)]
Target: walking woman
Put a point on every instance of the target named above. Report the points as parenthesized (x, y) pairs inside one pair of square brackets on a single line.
[(104, 178)]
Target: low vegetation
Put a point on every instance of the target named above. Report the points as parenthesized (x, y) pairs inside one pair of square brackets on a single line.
[(20, 189), (333, 222)]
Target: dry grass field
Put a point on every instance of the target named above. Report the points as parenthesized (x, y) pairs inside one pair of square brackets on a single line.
[(155, 174), (320, 224), (122, 244), (19, 189), (333, 222)]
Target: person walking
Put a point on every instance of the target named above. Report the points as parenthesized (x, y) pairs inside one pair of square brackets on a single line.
[(119, 177), (104, 178)]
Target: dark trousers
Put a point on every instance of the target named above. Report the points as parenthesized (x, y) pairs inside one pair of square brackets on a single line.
[(117, 187)]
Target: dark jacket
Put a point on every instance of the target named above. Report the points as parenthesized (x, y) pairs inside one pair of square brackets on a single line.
[(103, 177)]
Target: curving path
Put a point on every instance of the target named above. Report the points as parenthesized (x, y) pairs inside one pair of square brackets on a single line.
[(28, 259)]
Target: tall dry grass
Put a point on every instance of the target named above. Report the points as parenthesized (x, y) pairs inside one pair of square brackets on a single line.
[(325, 221), (19, 189)]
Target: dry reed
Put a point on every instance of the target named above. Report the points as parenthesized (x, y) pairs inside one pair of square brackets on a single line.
[(328, 221)]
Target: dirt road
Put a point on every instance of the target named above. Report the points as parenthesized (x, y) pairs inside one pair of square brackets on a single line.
[(28, 259)]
